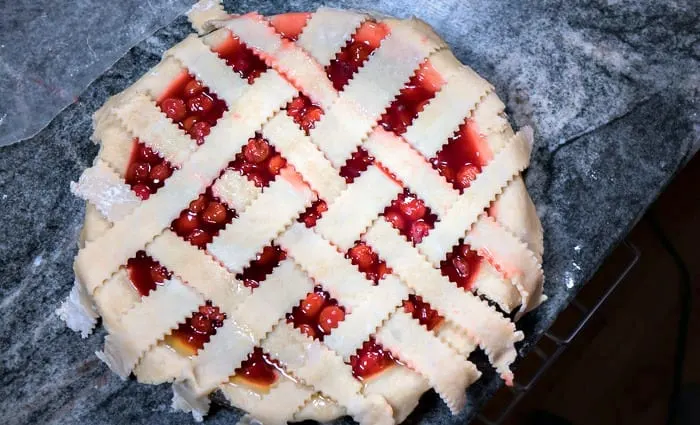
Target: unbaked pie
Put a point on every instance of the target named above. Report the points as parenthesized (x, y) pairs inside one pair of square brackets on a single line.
[(316, 214)]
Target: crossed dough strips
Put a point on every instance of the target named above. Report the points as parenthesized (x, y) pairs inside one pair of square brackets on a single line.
[(118, 224)]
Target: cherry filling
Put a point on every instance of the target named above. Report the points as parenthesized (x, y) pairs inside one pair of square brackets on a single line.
[(410, 216), (413, 97), (370, 360), (191, 105), (367, 261), (355, 53), (145, 273), (290, 25), (317, 314), (241, 58), (147, 171), (202, 220), (304, 112), (258, 161), (422, 312), (258, 369), (313, 213), (191, 336), (263, 265), (461, 266), (355, 165), (462, 158)]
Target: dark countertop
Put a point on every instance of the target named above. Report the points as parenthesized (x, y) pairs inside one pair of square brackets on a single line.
[(611, 89)]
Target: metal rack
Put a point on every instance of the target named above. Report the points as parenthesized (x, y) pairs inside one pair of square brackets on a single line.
[(519, 390)]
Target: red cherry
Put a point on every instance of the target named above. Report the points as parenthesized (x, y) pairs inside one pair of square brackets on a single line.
[(258, 179), (340, 73), (395, 219), (412, 207), (158, 273), (307, 330), (138, 171), (199, 238), (267, 256), (186, 223), (253, 75), (382, 269), (312, 304), (461, 266), (199, 204), (242, 64), (217, 317), (149, 155), (200, 103), (358, 53), (215, 213), (159, 173), (362, 256), (330, 317), (174, 108), (275, 164), (200, 130), (256, 151), (466, 251), (466, 175), (409, 307), (201, 324), (142, 191), (189, 122), (207, 309), (250, 283), (419, 230), (312, 115), (296, 106), (193, 87)]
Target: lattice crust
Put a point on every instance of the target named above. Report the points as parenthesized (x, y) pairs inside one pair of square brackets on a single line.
[(317, 382)]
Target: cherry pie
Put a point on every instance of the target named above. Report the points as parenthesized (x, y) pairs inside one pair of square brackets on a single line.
[(316, 214)]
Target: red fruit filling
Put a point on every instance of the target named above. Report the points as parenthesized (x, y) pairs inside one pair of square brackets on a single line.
[(370, 360), (145, 273), (412, 99), (191, 105), (304, 112), (355, 165), (462, 158), (241, 58), (317, 314), (290, 25), (367, 261), (410, 216), (461, 266), (263, 265), (365, 40), (258, 161), (147, 171), (422, 312), (191, 336), (202, 220), (313, 213), (258, 369)]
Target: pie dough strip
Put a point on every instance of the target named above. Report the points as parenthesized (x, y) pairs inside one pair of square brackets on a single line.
[(297, 148), (283, 201), (511, 256), (199, 270), (309, 360), (367, 305), (143, 119), (412, 169), (284, 56), (204, 11), (164, 309), (248, 324), (328, 31), (455, 223), (357, 207), (493, 332), (490, 121), (101, 257), (445, 370), (371, 90), (116, 297), (235, 190), (106, 190), (277, 407), (496, 287), (209, 68), (452, 104)]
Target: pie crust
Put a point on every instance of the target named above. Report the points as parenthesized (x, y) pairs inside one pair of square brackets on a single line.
[(492, 215)]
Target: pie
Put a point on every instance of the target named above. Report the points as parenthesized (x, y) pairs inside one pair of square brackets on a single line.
[(314, 214)]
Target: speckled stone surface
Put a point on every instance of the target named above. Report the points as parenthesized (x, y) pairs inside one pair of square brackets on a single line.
[(610, 88)]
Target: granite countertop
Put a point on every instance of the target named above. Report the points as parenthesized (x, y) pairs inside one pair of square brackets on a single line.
[(611, 89)]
